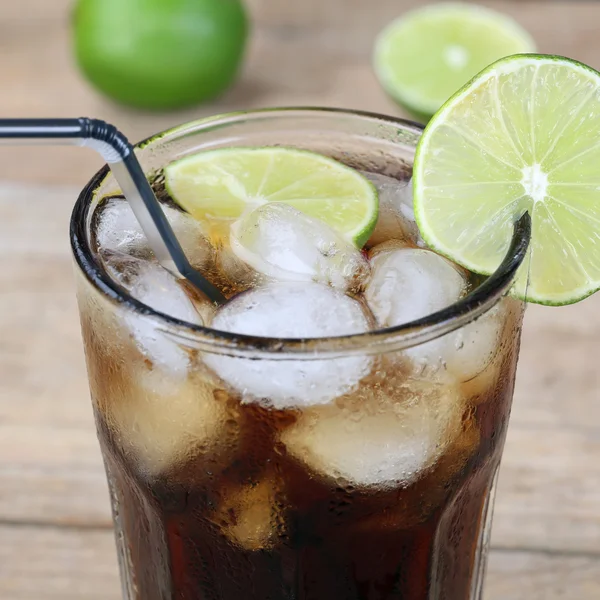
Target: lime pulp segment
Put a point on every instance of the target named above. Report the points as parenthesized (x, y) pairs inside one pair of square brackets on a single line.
[(425, 56), (523, 135), (220, 185)]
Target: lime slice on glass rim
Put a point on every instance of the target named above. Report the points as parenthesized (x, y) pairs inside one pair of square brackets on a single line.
[(523, 135), (220, 185), (425, 56)]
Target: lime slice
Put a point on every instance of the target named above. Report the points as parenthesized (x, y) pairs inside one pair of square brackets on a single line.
[(220, 185), (523, 135), (428, 54)]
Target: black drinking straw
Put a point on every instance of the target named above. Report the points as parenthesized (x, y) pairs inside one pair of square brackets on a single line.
[(116, 150)]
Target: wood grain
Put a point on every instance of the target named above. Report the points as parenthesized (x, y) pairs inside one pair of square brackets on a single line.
[(57, 564), (542, 576), (50, 563), (55, 540)]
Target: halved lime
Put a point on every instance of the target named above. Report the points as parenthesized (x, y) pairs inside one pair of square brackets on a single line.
[(523, 135), (425, 56), (220, 185)]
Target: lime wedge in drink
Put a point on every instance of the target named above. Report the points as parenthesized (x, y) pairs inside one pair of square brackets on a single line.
[(523, 135), (424, 57), (220, 185)]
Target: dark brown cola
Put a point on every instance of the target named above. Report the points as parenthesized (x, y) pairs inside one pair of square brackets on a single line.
[(252, 503)]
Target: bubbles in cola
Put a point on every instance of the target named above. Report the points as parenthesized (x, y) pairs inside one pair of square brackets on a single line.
[(291, 310), (284, 244)]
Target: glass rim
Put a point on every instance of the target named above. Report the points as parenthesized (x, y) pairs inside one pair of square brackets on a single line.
[(206, 339)]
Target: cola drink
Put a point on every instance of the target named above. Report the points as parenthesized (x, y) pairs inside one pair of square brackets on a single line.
[(252, 471)]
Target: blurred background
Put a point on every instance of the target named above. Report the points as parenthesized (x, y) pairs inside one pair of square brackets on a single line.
[(55, 527), (298, 53)]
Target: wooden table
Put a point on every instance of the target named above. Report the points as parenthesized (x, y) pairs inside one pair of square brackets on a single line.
[(55, 528)]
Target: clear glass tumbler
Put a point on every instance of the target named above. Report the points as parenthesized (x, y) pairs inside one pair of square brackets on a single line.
[(383, 493)]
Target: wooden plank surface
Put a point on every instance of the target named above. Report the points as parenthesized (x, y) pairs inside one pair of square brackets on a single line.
[(39, 563), (55, 538)]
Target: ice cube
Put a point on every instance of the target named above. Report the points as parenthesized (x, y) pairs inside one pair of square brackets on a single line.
[(162, 426), (396, 216), (118, 230), (158, 420), (407, 284), (387, 247), (489, 346), (285, 244), (250, 516), (294, 310), (463, 355), (472, 348), (155, 287), (483, 386), (379, 438), (416, 503)]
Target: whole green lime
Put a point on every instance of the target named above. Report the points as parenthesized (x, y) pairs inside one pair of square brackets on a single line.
[(160, 54)]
